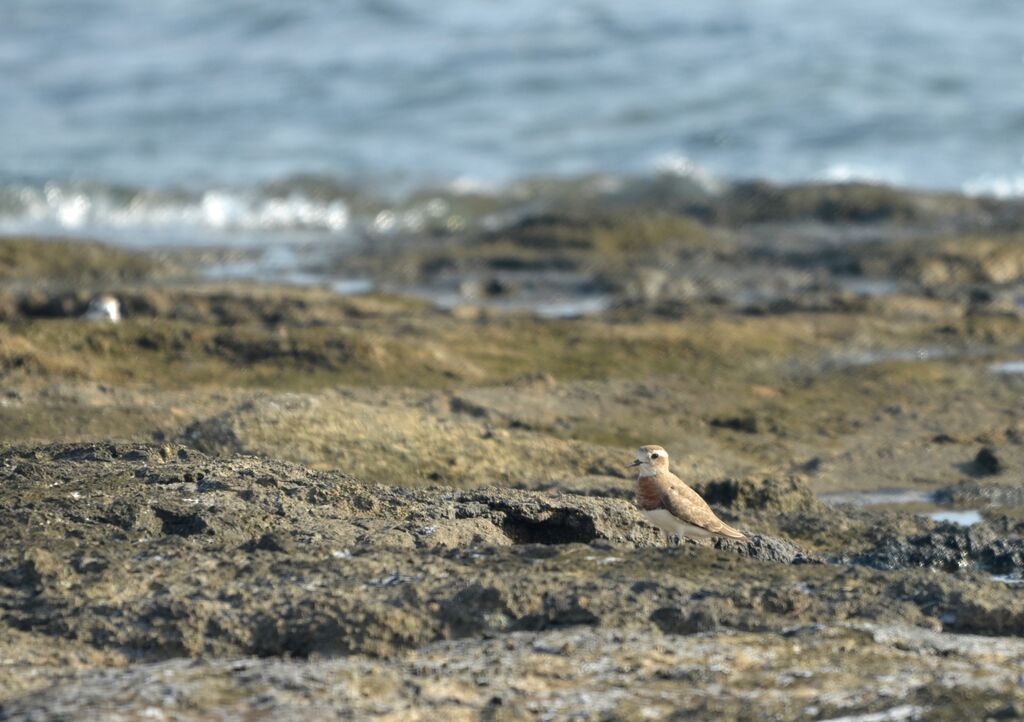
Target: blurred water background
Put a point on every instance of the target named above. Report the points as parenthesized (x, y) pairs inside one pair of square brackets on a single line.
[(187, 121)]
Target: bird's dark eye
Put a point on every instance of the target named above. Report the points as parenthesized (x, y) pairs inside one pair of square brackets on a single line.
[(654, 456)]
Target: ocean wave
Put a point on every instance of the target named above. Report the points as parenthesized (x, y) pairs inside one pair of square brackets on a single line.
[(311, 208), (860, 173), (996, 186), (75, 207), (777, 91), (678, 164), (310, 205), (299, 205)]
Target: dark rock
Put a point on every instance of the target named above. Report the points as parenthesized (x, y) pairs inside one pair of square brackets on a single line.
[(948, 547), (746, 423), (768, 549), (275, 542), (462, 405), (41, 568), (180, 524), (987, 463), (494, 286), (811, 465), (972, 494), (476, 609), (673, 620), (785, 494), (530, 518)]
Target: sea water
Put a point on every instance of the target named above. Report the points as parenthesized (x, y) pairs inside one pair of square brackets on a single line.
[(185, 120)]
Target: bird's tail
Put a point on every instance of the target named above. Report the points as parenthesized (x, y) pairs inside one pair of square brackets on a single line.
[(729, 532)]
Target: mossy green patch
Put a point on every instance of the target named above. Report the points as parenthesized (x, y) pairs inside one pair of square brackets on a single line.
[(431, 353), (73, 261), (969, 258), (607, 235), (758, 201), (558, 242)]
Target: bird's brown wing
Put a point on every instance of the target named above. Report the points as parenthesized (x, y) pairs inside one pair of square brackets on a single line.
[(686, 504)]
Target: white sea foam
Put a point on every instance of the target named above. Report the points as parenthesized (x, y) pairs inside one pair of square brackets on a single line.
[(678, 164), (860, 173), (67, 207), (997, 186), (468, 185)]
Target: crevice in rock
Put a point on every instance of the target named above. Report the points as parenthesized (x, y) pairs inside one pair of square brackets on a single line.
[(559, 527), (172, 522)]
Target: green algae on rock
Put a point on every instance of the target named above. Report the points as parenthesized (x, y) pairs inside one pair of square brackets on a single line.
[(75, 261)]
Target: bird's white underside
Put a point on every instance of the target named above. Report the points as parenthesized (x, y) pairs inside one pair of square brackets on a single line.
[(664, 520)]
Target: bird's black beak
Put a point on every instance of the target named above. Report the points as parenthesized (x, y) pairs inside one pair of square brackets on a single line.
[(635, 463)]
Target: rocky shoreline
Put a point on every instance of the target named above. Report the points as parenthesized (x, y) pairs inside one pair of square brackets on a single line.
[(248, 501), (131, 556)]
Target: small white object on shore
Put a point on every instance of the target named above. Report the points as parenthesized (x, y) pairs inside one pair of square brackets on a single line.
[(104, 307)]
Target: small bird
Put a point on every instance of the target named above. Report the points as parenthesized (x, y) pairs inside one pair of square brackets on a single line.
[(105, 307), (672, 506)]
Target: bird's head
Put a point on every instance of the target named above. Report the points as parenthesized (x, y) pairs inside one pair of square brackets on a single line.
[(650, 460)]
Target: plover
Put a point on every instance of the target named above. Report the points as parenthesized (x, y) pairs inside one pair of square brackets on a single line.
[(104, 307), (672, 506)]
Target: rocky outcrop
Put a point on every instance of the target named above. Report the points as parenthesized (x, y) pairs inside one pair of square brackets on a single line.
[(161, 551)]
